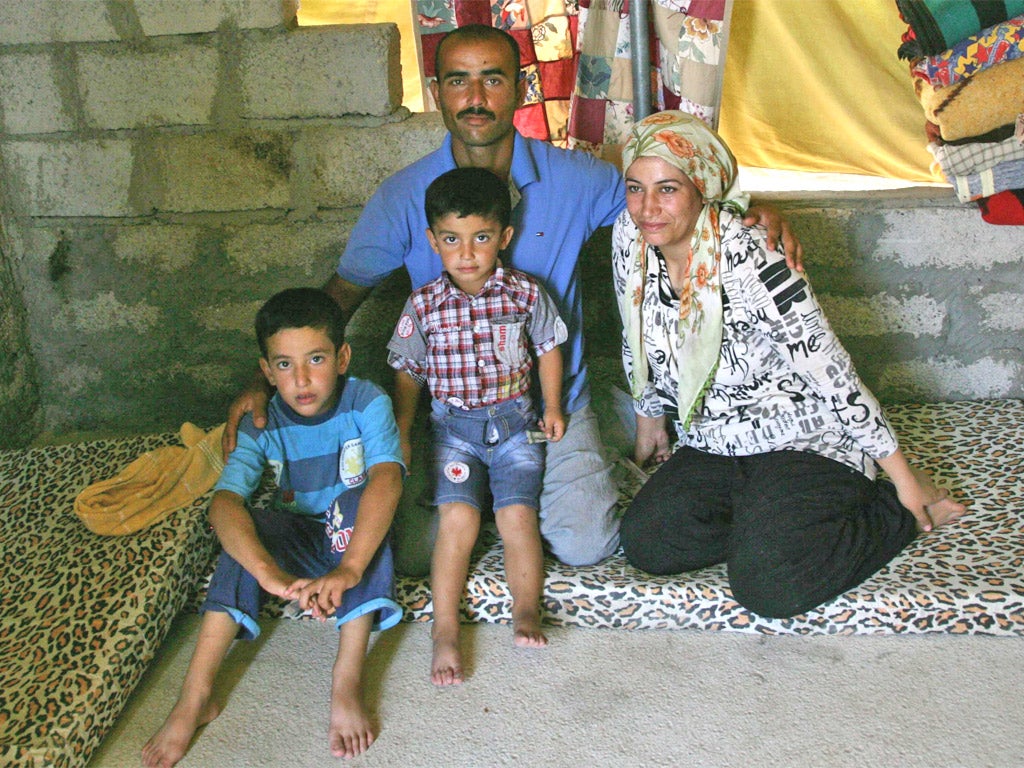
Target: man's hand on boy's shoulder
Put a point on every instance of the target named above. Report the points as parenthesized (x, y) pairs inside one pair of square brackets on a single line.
[(253, 399)]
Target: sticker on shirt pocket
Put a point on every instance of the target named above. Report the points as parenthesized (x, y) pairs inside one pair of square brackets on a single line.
[(508, 337), (352, 465)]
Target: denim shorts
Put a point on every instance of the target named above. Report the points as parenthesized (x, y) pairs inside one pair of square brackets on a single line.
[(302, 547), (481, 449)]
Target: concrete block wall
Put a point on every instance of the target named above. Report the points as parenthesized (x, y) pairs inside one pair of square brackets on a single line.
[(167, 165)]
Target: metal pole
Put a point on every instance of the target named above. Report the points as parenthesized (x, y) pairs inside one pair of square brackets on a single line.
[(639, 43)]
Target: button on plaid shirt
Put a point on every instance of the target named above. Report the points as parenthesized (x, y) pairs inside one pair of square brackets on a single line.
[(473, 351)]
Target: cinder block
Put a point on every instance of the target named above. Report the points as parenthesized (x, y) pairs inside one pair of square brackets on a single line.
[(350, 163), (55, 21), (129, 88), (309, 249), (30, 99), (882, 314), (224, 172), (1004, 311), (70, 178), (105, 312), (323, 71), (186, 17), (949, 238), (237, 316), (166, 247), (946, 379)]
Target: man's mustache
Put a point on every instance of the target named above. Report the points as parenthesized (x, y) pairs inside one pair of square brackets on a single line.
[(476, 112)]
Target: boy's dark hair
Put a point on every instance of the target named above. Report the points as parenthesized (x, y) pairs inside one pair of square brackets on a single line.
[(300, 308), (478, 33), (468, 192)]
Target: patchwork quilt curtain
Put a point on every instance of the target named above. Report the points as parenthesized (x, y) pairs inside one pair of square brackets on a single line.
[(546, 31), (577, 60), (687, 60)]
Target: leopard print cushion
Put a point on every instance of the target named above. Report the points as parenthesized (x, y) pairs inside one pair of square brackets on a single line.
[(81, 615), (964, 578)]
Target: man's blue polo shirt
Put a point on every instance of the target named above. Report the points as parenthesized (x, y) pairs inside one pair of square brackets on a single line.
[(566, 195)]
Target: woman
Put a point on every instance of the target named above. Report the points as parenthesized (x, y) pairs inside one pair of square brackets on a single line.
[(774, 472)]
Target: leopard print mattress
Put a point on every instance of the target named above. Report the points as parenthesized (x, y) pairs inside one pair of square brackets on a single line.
[(82, 615), (965, 578)]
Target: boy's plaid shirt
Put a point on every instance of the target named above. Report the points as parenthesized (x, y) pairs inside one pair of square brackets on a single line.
[(476, 347)]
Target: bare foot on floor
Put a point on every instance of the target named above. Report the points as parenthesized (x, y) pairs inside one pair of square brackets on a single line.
[(526, 632), (940, 507), (171, 742), (446, 665), (351, 733)]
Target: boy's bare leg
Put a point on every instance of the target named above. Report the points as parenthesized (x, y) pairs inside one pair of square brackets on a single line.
[(195, 706), (524, 571), (456, 535), (351, 733)]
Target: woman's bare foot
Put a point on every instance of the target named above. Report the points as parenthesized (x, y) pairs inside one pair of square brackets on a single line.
[(351, 733), (938, 505), (171, 742), (526, 631), (446, 665)]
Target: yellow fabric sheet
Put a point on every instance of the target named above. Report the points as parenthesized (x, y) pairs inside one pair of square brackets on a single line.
[(815, 85)]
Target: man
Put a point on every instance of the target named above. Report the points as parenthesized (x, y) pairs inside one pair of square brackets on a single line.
[(559, 199)]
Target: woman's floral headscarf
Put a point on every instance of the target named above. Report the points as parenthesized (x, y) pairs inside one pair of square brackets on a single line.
[(687, 143)]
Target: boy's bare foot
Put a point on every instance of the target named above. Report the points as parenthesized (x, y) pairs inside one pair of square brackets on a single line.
[(351, 733), (446, 665), (526, 631), (171, 742), (939, 506)]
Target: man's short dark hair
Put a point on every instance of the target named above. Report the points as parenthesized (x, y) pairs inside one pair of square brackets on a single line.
[(468, 192), (478, 33), (300, 308)]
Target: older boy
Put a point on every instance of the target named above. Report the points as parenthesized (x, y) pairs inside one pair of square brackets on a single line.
[(468, 335), (332, 444)]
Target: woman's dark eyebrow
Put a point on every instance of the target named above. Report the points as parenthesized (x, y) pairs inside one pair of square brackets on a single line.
[(660, 181)]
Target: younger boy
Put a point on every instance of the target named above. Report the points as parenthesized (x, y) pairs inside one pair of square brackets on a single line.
[(332, 444), (467, 336)]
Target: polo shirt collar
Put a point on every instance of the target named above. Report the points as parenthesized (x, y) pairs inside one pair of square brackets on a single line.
[(524, 165)]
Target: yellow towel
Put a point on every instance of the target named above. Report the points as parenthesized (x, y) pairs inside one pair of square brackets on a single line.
[(154, 485)]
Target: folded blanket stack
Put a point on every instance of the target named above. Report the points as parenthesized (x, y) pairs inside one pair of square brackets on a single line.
[(967, 64)]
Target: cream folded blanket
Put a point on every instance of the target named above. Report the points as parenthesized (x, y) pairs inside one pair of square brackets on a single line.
[(977, 104)]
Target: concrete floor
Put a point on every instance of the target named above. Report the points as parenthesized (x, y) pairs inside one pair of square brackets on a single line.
[(609, 698)]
